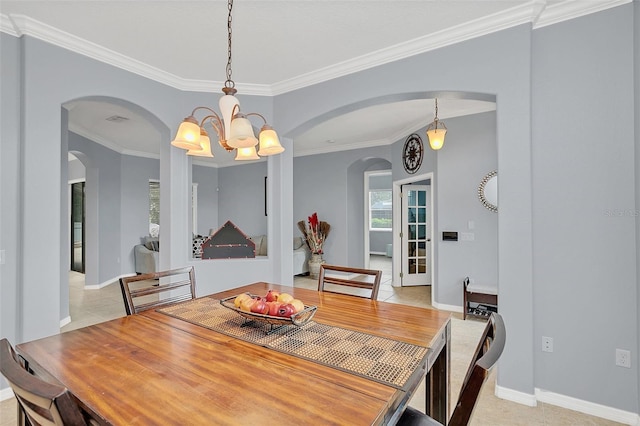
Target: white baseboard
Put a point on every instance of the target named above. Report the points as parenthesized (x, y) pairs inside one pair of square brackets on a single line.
[(570, 403), (587, 407), (5, 394), (516, 396), (65, 321), (444, 307), (106, 283)]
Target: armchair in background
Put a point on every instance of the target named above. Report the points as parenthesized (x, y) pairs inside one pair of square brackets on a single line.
[(147, 255)]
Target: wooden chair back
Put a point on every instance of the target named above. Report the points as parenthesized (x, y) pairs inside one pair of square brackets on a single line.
[(42, 403), (339, 277), (148, 291), (486, 355)]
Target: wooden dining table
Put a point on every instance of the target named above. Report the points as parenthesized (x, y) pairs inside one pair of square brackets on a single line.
[(157, 369)]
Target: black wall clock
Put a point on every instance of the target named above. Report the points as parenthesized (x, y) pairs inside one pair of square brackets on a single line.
[(412, 153)]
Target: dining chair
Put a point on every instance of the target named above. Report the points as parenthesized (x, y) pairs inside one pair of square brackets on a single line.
[(155, 289), (334, 279), (486, 355), (42, 403)]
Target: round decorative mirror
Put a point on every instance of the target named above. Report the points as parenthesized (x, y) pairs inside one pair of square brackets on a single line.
[(488, 191)]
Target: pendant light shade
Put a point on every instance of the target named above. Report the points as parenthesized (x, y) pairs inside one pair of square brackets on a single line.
[(436, 137), (188, 136), (241, 135), (205, 146), (269, 142), (247, 153), (228, 104), (436, 132)]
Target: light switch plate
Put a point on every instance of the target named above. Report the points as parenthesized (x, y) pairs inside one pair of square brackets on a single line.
[(467, 236)]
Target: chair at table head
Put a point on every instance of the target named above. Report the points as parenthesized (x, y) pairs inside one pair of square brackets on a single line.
[(156, 289), (486, 355), (42, 403), (354, 281)]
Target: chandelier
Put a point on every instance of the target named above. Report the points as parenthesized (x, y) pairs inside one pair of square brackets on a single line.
[(436, 134), (233, 128)]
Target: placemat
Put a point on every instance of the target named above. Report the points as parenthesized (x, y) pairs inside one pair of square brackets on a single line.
[(376, 358)]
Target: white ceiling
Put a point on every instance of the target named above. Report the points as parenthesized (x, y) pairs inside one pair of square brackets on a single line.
[(278, 46)]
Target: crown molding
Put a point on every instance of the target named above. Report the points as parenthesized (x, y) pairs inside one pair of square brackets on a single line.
[(536, 12), (108, 144), (574, 9), (7, 26)]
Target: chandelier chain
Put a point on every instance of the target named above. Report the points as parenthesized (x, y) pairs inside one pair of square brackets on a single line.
[(229, 82), (436, 117)]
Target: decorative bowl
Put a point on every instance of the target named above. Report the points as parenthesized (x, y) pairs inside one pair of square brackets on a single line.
[(299, 318)]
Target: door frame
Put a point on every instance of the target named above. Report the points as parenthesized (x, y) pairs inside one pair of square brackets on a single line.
[(397, 227)]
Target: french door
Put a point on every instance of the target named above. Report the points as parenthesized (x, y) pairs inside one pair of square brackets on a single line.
[(416, 235)]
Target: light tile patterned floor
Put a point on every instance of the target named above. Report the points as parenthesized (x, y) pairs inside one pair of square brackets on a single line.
[(94, 306)]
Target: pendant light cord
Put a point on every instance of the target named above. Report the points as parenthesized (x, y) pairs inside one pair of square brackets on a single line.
[(229, 82)]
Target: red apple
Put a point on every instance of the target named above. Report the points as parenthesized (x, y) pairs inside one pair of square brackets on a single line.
[(286, 310), (273, 308), (272, 295), (260, 306)]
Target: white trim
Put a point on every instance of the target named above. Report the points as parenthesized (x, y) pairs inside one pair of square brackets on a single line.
[(516, 396), (586, 407), (536, 12), (445, 307), (6, 393), (573, 9), (65, 321), (106, 283)]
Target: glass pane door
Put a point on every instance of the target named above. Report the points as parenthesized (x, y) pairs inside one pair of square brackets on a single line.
[(416, 235)]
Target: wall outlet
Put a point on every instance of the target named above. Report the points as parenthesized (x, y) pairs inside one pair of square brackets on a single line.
[(623, 358), (547, 344)]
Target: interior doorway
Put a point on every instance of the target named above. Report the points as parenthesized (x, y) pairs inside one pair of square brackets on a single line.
[(378, 215), (77, 226), (413, 248)]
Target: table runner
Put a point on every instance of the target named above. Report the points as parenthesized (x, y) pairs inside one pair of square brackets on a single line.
[(386, 361)]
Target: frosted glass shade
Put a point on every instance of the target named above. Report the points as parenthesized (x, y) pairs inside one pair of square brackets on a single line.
[(269, 142), (247, 153), (436, 138), (188, 135), (241, 135), (205, 146), (228, 108)]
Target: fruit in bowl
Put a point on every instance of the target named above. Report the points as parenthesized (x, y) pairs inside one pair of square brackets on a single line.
[(272, 296), (285, 298)]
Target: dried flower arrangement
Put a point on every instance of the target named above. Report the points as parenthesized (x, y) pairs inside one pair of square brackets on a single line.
[(315, 233)]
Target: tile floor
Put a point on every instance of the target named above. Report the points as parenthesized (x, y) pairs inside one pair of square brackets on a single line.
[(93, 306)]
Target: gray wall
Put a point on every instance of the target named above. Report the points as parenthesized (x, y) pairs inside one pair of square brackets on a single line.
[(469, 153), (241, 197), (103, 201), (332, 185), (584, 207), (207, 180), (555, 191), (134, 212), (11, 289)]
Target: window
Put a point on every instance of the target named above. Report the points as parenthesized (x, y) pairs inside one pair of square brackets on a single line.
[(380, 210), (154, 202)]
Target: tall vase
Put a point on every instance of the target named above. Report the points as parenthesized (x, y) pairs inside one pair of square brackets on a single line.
[(314, 265)]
